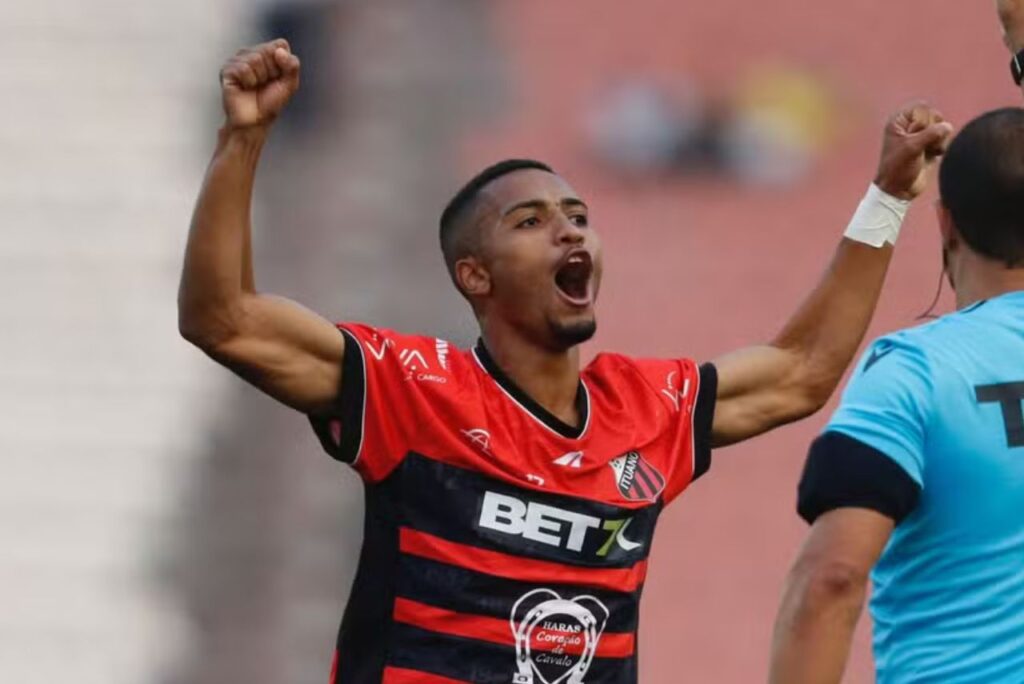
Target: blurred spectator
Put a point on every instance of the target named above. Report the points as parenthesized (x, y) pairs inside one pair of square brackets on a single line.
[(783, 119), (769, 131), (637, 129)]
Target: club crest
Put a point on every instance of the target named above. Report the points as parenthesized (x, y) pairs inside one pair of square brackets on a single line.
[(637, 479)]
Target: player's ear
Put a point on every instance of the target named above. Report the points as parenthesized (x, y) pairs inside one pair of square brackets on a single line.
[(473, 279), (947, 229)]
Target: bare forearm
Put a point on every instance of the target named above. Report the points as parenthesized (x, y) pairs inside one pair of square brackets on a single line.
[(814, 631), (218, 260), (826, 330)]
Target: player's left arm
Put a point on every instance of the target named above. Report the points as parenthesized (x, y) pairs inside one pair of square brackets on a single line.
[(762, 387), (824, 596)]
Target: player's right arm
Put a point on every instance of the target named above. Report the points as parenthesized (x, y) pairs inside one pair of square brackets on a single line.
[(280, 347)]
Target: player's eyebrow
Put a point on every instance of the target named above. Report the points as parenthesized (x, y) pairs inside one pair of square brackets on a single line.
[(565, 202), (574, 202)]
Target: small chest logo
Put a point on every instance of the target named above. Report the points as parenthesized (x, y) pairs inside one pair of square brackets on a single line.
[(573, 459), (637, 479), (481, 438)]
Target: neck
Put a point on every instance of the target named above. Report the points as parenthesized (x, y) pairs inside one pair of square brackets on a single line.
[(979, 278), (551, 378)]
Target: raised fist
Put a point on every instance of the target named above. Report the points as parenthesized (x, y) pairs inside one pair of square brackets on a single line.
[(257, 83), (1011, 15), (914, 139)]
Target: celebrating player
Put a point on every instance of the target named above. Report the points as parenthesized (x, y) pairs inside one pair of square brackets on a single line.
[(511, 496), (920, 473)]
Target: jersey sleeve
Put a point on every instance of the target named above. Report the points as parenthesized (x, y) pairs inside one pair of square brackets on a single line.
[(368, 425), (686, 394), (703, 417), (871, 454)]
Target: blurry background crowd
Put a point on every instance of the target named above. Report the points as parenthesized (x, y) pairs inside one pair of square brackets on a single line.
[(161, 522)]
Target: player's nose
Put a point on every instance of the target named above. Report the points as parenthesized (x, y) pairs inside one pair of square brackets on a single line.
[(567, 232)]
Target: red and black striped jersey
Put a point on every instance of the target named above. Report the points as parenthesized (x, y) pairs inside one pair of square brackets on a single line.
[(501, 544)]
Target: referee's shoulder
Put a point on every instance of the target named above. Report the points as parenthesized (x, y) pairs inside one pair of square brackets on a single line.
[(948, 327), (919, 349)]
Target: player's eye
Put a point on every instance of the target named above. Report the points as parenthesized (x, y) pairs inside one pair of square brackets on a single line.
[(580, 220), (528, 222)]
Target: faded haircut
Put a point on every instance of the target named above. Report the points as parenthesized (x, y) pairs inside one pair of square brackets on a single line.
[(457, 240), (981, 183)]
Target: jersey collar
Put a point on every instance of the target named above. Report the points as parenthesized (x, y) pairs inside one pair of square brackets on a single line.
[(526, 402)]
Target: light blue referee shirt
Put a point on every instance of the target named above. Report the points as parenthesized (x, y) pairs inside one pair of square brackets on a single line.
[(944, 401)]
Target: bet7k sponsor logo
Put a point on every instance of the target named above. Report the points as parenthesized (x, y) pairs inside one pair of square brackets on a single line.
[(551, 525)]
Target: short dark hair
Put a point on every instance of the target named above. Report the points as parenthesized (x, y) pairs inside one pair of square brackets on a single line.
[(455, 242), (981, 183)]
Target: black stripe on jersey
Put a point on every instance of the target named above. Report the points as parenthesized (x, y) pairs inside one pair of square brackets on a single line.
[(349, 406), (659, 479), (527, 402), (643, 473), (638, 490), (843, 472), (473, 593), (419, 480), (483, 662), (703, 419), (365, 632)]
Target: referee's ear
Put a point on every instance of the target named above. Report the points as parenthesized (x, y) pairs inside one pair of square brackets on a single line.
[(947, 229)]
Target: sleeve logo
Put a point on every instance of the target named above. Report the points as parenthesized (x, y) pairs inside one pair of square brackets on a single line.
[(673, 392), (637, 479), (442, 349), (878, 352)]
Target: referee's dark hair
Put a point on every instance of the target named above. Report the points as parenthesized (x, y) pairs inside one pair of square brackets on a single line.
[(981, 183), (456, 242)]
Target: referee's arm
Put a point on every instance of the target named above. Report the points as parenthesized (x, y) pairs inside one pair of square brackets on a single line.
[(824, 596), (765, 386)]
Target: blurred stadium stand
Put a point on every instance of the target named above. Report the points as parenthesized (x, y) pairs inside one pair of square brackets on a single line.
[(160, 522), (98, 399)]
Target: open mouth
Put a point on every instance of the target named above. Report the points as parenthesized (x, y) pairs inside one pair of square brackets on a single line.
[(573, 277)]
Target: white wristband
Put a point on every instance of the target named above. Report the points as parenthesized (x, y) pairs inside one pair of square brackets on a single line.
[(878, 219)]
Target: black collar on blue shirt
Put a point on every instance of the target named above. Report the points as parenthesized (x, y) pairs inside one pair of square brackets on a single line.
[(527, 402)]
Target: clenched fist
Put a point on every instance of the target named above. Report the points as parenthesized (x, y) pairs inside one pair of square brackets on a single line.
[(257, 83), (914, 139), (1011, 15)]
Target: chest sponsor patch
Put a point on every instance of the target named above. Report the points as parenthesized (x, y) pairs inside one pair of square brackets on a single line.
[(553, 526), (637, 479), (556, 638)]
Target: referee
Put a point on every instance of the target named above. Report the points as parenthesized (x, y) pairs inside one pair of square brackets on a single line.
[(920, 473)]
